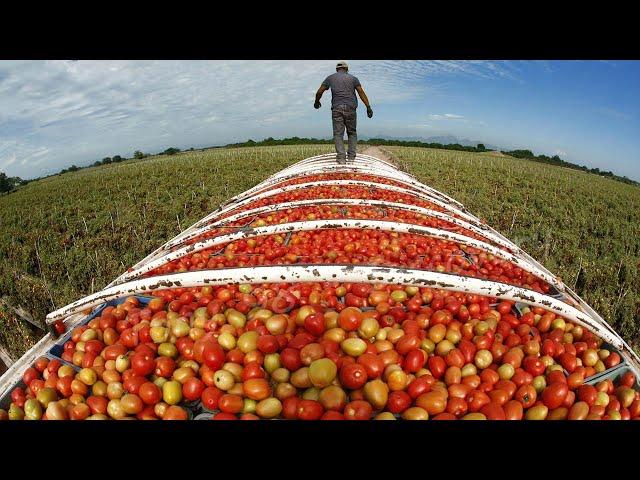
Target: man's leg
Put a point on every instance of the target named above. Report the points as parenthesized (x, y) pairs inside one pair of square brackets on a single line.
[(350, 123), (338, 133)]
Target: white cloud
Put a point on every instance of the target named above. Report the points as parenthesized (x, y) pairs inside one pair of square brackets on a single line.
[(55, 113), (613, 113), (446, 116)]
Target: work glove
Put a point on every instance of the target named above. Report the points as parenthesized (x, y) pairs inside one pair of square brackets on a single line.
[(317, 104), (369, 112)]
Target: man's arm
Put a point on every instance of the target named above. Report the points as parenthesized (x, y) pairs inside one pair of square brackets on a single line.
[(319, 93), (365, 100), (362, 95)]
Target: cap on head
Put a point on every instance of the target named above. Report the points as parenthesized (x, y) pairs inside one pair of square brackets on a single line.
[(342, 64)]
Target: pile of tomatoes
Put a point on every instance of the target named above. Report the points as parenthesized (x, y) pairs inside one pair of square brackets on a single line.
[(325, 351), (337, 212), (360, 177), (352, 246)]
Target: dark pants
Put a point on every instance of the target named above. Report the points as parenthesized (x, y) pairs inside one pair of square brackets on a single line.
[(344, 116)]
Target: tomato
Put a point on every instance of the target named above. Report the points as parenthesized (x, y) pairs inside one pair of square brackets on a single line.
[(353, 376), (256, 389), (164, 367), (252, 370), (372, 364), (192, 388), (350, 319), (433, 402), (175, 412), (290, 359), (332, 415), (133, 383), (587, 394), (97, 404), (310, 410), (290, 408), (314, 324), (533, 365), (414, 360), (224, 416), (555, 394), (210, 397), (29, 375), (267, 344), (213, 355), (476, 399), (437, 367), (230, 403), (398, 401), (526, 395), (513, 410), (356, 410), (150, 393), (457, 407), (420, 385), (493, 411), (142, 364)]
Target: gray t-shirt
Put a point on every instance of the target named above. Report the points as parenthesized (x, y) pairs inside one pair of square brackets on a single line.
[(343, 89)]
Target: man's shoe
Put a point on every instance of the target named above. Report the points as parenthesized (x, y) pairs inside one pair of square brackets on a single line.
[(351, 159)]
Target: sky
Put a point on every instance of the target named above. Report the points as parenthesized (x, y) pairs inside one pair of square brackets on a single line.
[(57, 113)]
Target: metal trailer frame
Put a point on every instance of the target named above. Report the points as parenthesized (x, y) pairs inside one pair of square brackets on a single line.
[(580, 313)]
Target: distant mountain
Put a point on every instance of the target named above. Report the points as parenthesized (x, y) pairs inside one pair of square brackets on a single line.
[(444, 139)]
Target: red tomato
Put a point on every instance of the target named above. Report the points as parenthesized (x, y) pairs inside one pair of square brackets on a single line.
[(252, 370), (290, 408), (310, 410), (414, 360), (213, 355), (314, 324), (476, 399), (267, 344), (398, 402), (164, 367), (357, 410), (372, 364), (587, 394), (554, 395), (493, 411), (353, 375), (526, 395), (437, 366), (350, 319), (290, 359), (230, 403), (192, 388), (210, 398), (332, 415), (420, 385), (150, 393), (142, 364)]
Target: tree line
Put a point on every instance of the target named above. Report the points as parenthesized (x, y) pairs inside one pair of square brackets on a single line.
[(557, 161), (8, 184)]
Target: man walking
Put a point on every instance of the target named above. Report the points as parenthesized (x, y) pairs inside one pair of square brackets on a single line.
[(343, 108)]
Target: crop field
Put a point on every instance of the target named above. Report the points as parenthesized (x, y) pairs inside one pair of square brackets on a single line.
[(64, 237)]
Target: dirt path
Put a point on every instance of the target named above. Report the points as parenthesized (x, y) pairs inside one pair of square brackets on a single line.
[(377, 152)]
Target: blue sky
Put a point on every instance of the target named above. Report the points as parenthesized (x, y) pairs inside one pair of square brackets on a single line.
[(57, 113)]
